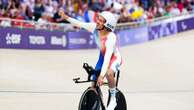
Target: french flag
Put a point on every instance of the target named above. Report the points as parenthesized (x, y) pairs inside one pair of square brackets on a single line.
[(90, 16)]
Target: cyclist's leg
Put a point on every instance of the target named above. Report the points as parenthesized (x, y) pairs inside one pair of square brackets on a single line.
[(113, 69), (110, 78), (111, 73), (112, 85), (112, 89)]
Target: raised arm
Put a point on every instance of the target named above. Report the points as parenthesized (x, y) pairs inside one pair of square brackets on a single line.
[(88, 26)]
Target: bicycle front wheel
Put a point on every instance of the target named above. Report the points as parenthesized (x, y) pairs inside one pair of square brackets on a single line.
[(90, 100)]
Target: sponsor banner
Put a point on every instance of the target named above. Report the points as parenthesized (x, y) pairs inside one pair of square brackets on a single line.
[(186, 24), (161, 30), (42, 39), (10, 38), (36, 39), (32, 39), (80, 40), (132, 36)]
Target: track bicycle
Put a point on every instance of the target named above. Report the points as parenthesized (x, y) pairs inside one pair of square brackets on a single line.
[(91, 98)]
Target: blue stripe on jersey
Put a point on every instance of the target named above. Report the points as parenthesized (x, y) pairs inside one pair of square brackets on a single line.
[(98, 66), (100, 62)]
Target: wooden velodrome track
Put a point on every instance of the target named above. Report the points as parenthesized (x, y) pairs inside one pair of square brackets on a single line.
[(157, 75)]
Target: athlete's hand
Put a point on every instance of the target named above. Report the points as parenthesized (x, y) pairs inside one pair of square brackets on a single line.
[(100, 80), (62, 14)]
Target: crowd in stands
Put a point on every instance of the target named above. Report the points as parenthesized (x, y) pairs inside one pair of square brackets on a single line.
[(44, 11)]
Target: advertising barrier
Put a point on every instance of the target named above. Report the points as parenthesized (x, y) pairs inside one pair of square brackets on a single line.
[(20, 38), (80, 40), (37, 39), (32, 39), (186, 24), (132, 36), (163, 29)]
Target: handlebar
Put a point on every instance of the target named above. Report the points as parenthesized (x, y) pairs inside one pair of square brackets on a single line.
[(77, 80), (89, 70)]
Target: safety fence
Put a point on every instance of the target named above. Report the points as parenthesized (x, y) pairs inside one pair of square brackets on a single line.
[(19, 34)]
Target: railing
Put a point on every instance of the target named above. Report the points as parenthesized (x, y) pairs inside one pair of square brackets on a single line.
[(7, 22)]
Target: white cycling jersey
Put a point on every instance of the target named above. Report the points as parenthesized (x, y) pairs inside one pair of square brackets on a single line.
[(110, 57)]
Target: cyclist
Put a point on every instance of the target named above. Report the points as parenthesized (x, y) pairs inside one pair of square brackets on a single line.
[(109, 59)]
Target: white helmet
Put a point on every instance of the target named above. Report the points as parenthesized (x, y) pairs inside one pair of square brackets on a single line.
[(111, 19)]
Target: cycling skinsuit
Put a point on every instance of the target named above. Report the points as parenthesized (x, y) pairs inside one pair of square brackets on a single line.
[(109, 57)]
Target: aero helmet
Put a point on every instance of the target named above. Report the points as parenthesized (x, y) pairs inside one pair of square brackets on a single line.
[(111, 20)]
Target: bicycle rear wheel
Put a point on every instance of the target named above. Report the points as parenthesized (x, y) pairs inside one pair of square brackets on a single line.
[(121, 102), (89, 100)]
